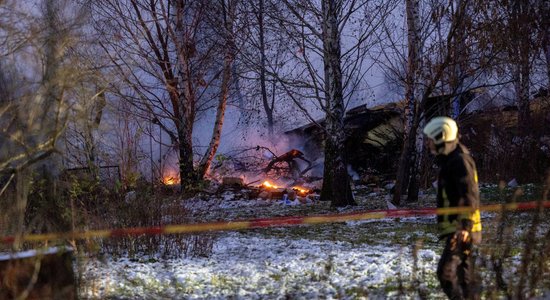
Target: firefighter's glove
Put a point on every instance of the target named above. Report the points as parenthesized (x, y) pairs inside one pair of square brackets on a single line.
[(461, 242)]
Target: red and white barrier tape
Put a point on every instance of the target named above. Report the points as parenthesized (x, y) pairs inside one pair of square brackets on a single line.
[(268, 222)]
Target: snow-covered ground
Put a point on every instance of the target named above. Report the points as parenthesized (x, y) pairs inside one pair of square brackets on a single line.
[(352, 260), (244, 266), (371, 259)]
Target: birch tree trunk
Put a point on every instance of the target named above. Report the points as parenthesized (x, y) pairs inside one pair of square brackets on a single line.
[(88, 134), (183, 98), (22, 186), (521, 84), (36, 116), (185, 148), (229, 56), (546, 49), (521, 53), (406, 159), (545, 13), (417, 156), (336, 181), (267, 108), (458, 78)]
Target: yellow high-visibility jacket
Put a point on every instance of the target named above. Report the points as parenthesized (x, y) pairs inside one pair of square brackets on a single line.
[(458, 187)]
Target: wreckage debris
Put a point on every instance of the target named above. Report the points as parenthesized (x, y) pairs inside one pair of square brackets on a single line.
[(233, 181), (290, 158), (293, 195), (289, 196)]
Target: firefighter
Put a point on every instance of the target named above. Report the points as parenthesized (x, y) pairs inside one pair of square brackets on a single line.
[(457, 187)]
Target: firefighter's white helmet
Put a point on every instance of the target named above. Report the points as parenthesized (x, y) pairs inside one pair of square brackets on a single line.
[(441, 130)]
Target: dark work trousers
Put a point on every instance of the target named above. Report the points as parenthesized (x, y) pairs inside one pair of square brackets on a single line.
[(455, 270)]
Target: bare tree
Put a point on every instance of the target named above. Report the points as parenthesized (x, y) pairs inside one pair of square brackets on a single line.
[(412, 94), (336, 181), (328, 47), (262, 53), (268, 107), (431, 57), (171, 56), (33, 111), (227, 14), (520, 51), (512, 30), (544, 19), (81, 135)]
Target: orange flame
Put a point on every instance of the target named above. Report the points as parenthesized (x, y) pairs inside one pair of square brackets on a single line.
[(300, 190), (269, 185), (170, 180)]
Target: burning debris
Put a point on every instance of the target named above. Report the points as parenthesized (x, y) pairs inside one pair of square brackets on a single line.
[(170, 176), (261, 162), (289, 158), (289, 168), (294, 193), (268, 185), (267, 190), (301, 191), (170, 180), (244, 174)]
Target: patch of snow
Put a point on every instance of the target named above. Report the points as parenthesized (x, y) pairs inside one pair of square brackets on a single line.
[(228, 196), (257, 267), (251, 265), (32, 253), (390, 205), (354, 175)]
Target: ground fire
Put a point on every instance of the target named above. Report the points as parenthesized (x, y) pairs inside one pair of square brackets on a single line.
[(268, 185), (301, 191), (268, 190), (170, 180)]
